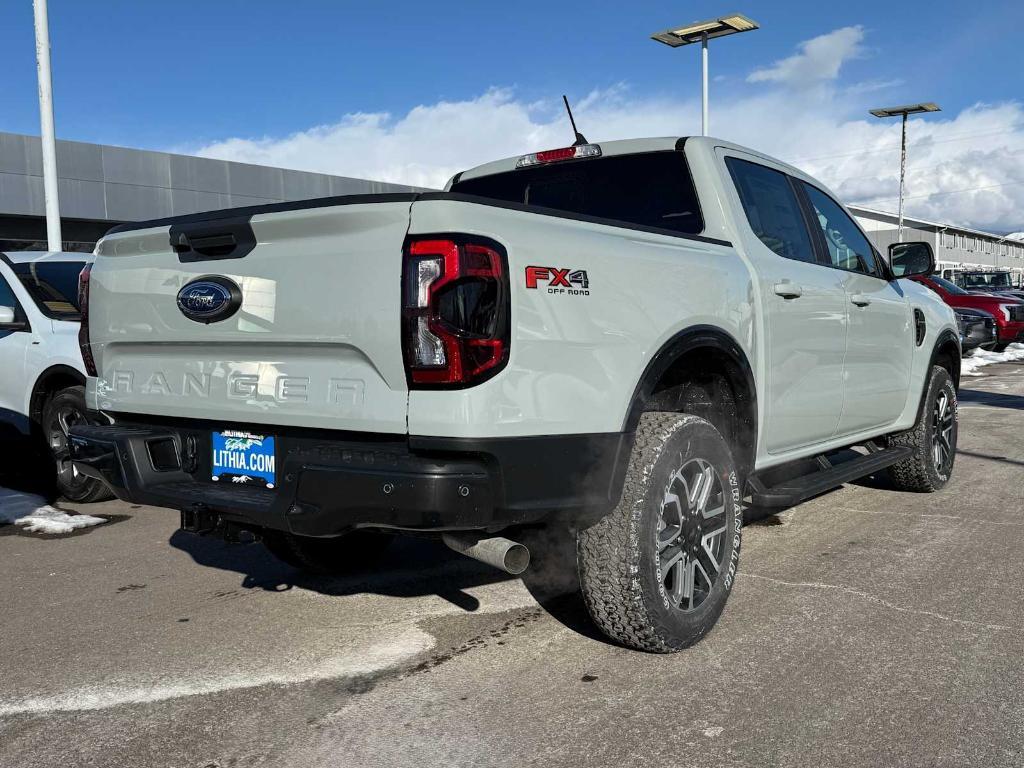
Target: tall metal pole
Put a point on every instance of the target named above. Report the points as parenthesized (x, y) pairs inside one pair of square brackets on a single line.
[(53, 235), (704, 84), (903, 172)]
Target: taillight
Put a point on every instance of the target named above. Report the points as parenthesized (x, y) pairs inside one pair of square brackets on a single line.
[(83, 328), (455, 301)]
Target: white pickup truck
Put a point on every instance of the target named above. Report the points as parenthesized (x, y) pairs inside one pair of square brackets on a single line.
[(634, 339)]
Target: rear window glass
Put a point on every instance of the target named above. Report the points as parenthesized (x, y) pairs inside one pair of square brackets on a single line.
[(53, 286), (652, 189)]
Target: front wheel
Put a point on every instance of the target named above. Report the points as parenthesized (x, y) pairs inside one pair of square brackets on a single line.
[(932, 440), (64, 410), (657, 570)]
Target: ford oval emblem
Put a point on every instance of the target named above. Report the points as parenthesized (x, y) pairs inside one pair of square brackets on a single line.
[(209, 299)]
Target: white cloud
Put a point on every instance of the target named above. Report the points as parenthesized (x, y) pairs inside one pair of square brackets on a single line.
[(823, 130), (819, 59)]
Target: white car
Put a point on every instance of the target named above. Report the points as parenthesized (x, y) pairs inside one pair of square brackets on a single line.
[(42, 392)]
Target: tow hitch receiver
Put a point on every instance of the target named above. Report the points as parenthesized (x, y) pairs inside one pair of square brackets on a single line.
[(199, 519)]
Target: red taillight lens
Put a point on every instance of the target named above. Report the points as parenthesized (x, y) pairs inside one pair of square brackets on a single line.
[(83, 328), (455, 311)]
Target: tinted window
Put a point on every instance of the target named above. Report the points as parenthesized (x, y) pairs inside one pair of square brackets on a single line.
[(847, 247), (995, 280), (653, 189), (53, 285), (7, 298), (772, 209), (947, 286)]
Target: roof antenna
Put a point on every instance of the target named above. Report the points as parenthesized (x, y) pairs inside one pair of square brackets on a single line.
[(580, 138)]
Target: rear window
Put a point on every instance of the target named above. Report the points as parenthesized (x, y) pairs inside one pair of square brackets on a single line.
[(53, 286), (653, 189)]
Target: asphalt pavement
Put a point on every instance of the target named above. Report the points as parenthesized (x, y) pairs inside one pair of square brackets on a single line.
[(868, 627)]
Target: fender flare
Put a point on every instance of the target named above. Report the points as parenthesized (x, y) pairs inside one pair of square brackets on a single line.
[(947, 336), (35, 406), (685, 341)]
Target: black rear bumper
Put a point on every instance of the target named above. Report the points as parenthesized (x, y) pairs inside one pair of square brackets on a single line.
[(331, 482)]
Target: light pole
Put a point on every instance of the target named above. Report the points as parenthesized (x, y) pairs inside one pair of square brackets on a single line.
[(909, 109), (701, 32), (47, 135)]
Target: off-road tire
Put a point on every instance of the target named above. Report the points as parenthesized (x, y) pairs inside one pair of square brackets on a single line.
[(64, 409), (620, 558), (350, 553), (919, 472)]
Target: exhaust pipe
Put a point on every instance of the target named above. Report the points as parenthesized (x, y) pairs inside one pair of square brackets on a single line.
[(510, 556)]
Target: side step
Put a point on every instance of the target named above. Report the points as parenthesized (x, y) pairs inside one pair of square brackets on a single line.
[(791, 492)]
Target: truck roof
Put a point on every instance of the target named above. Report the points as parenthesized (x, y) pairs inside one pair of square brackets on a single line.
[(631, 146)]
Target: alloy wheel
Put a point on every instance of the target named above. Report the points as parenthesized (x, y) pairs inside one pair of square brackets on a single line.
[(61, 421), (943, 424), (691, 534)]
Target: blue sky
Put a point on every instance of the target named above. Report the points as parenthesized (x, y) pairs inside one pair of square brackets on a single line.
[(242, 79), (162, 73)]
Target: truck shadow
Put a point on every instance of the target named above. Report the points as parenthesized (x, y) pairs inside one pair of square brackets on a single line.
[(409, 568), (413, 567)]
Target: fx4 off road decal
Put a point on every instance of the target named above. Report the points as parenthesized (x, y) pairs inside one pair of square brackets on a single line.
[(573, 282)]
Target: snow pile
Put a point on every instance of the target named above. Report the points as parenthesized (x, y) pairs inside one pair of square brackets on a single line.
[(969, 365), (35, 515)]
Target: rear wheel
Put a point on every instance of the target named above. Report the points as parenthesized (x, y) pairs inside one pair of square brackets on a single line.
[(335, 556), (1000, 347), (933, 439), (64, 410), (656, 571)]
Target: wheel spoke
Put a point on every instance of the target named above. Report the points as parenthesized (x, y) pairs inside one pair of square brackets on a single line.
[(688, 568), (669, 560), (707, 545)]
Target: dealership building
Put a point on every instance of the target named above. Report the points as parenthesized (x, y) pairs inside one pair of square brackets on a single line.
[(101, 186), (956, 248)]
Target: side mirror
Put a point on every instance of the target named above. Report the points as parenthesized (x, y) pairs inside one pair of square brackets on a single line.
[(7, 321), (910, 259)]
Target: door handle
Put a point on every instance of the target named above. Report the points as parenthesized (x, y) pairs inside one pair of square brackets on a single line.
[(860, 299), (788, 290)]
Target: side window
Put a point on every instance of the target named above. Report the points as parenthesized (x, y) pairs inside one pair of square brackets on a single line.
[(772, 209), (847, 247), (7, 297)]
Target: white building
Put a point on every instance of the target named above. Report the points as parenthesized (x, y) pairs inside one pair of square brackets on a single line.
[(956, 248)]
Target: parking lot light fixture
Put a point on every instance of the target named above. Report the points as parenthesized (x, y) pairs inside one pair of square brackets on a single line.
[(907, 109), (701, 32)]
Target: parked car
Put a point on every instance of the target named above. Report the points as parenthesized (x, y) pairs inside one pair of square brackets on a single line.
[(989, 281), (977, 330), (42, 390), (624, 338), (1007, 310)]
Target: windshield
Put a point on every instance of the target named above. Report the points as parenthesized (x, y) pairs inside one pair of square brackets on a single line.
[(53, 286), (994, 280), (651, 189), (947, 286)]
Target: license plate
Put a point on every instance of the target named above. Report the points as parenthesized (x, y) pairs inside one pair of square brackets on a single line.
[(243, 458)]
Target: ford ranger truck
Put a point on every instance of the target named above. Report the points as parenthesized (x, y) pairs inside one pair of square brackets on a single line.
[(633, 339)]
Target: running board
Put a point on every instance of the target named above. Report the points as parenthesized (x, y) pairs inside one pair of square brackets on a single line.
[(829, 476)]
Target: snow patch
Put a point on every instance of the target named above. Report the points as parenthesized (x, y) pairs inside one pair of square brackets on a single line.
[(969, 365), (35, 515)]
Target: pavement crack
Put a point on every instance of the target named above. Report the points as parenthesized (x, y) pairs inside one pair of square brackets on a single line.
[(891, 606)]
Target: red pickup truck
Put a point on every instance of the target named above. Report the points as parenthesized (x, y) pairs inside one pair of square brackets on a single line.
[(1008, 312)]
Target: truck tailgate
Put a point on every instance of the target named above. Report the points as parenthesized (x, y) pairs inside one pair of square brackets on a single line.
[(316, 339)]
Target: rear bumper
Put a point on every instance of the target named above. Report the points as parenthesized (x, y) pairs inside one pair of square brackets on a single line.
[(331, 482)]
